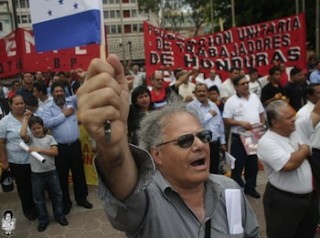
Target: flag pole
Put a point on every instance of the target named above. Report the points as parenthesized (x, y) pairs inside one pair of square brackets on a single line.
[(103, 38)]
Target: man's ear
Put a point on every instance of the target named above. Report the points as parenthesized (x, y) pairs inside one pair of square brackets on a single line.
[(274, 123), (155, 153)]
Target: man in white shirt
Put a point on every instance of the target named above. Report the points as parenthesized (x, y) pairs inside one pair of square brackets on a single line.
[(139, 77), (312, 93), (227, 88), (241, 112), (213, 79), (290, 202), (254, 84)]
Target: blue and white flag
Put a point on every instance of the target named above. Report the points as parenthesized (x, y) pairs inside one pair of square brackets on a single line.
[(59, 24)]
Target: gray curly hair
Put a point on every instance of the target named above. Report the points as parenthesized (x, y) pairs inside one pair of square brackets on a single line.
[(150, 133)]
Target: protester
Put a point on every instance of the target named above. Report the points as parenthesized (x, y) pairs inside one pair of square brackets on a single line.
[(15, 158), (44, 176), (295, 88), (41, 92), (177, 199), (210, 118), (273, 90), (290, 201), (315, 75), (32, 104), (284, 79), (255, 85), (27, 83), (186, 89), (213, 79), (60, 117), (161, 94), (241, 112), (14, 88), (227, 88), (214, 96), (141, 106)]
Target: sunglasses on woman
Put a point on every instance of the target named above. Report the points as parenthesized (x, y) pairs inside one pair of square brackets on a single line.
[(185, 141)]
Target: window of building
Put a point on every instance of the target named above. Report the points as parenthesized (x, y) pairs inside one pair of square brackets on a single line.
[(106, 14), (25, 19), (141, 28), (135, 28), (118, 13), (112, 14), (133, 1), (127, 28), (125, 1), (126, 13), (113, 29), (105, 1), (119, 29), (1, 26), (134, 13), (111, 1)]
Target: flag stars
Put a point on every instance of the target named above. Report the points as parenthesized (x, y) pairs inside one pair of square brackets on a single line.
[(49, 13), (60, 2), (75, 5)]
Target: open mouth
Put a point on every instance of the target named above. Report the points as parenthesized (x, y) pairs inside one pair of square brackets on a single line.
[(199, 162)]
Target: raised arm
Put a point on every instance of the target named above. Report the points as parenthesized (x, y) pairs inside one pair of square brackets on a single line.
[(104, 97), (23, 131)]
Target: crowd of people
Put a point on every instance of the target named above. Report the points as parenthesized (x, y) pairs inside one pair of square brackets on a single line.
[(166, 178), (32, 113)]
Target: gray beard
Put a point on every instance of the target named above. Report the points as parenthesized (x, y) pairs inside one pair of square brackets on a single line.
[(60, 101)]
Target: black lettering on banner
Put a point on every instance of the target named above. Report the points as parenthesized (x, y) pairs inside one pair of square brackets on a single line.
[(56, 63), (1, 68), (73, 61), (154, 57), (181, 46), (286, 39), (190, 60), (294, 53), (167, 58), (296, 23), (158, 43), (206, 63), (223, 64), (261, 59), (278, 56)]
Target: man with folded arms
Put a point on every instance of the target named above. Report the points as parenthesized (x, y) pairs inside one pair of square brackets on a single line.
[(290, 202)]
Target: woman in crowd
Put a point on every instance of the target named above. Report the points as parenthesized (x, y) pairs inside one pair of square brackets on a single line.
[(15, 158), (141, 105)]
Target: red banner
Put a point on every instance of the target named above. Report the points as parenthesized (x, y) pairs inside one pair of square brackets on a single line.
[(18, 54), (245, 47)]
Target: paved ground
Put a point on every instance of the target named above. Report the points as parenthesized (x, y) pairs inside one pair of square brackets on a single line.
[(91, 223)]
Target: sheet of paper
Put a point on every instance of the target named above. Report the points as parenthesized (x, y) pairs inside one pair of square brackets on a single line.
[(233, 206), (230, 160)]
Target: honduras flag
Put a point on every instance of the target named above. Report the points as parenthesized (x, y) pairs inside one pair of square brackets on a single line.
[(59, 24)]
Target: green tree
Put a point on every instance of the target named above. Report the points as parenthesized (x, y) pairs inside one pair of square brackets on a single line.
[(197, 12)]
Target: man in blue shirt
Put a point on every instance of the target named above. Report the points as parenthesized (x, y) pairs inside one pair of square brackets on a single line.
[(315, 75), (59, 115), (211, 119)]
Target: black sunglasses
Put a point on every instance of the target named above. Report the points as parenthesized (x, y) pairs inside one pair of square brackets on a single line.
[(185, 141)]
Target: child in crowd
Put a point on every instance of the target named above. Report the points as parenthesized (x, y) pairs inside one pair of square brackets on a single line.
[(214, 96), (44, 176)]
